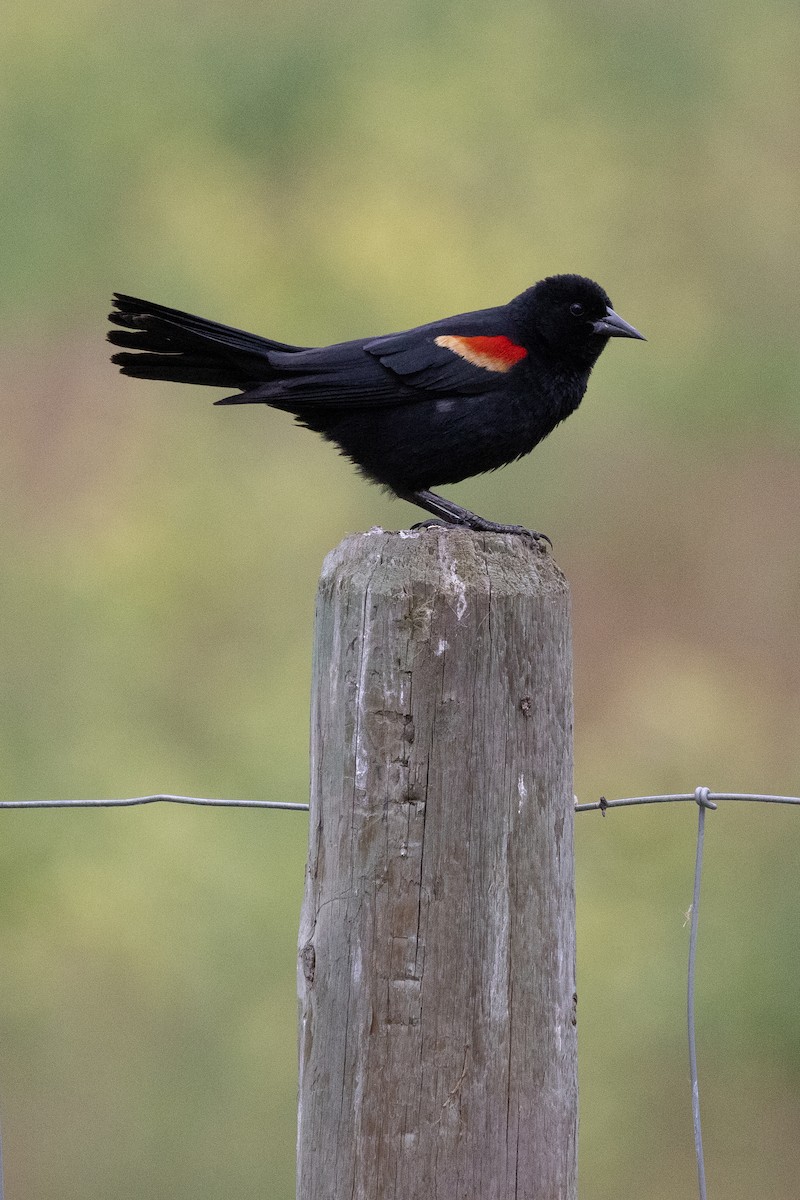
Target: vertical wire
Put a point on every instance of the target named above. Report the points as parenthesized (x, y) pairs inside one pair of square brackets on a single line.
[(702, 803)]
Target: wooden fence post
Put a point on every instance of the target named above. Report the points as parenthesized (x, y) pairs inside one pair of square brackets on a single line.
[(437, 942)]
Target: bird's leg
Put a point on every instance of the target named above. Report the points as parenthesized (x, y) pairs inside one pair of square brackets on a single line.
[(447, 512)]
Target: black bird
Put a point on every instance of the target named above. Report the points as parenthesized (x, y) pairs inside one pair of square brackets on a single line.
[(412, 410)]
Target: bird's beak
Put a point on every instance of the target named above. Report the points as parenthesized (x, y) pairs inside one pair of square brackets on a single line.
[(614, 326)]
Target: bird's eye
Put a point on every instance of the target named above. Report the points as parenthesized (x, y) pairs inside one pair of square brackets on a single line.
[(577, 309)]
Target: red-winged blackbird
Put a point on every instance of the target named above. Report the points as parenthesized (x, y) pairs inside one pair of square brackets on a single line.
[(412, 410)]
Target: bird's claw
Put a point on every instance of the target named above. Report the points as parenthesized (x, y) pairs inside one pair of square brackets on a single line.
[(482, 526)]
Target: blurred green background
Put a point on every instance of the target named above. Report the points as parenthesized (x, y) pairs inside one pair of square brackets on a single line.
[(320, 172)]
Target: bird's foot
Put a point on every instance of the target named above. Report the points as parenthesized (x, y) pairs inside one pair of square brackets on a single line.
[(482, 526), (446, 512)]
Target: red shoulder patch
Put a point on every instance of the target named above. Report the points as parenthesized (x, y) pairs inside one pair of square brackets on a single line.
[(492, 353)]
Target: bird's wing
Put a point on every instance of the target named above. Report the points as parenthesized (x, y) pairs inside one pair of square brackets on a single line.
[(460, 356), (448, 360), (338, 376)]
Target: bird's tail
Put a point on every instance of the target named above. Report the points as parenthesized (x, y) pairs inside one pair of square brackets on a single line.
[(176, 346)]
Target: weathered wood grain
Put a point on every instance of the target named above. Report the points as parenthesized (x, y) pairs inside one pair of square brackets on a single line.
[(437, 947)]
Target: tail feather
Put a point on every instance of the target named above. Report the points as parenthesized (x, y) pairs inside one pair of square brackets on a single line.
[(176, 346), (177, 368)]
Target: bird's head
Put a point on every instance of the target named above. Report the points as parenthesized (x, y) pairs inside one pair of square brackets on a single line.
[(573, 317)]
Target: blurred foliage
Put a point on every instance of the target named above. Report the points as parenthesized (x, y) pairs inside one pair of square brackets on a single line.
[(319, 172)]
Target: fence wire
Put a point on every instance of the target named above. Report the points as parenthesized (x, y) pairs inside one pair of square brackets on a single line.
[(706, 800), (703, 797), (131, 801)]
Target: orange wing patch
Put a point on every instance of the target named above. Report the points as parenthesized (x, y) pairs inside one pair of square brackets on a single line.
[(492, 353)]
